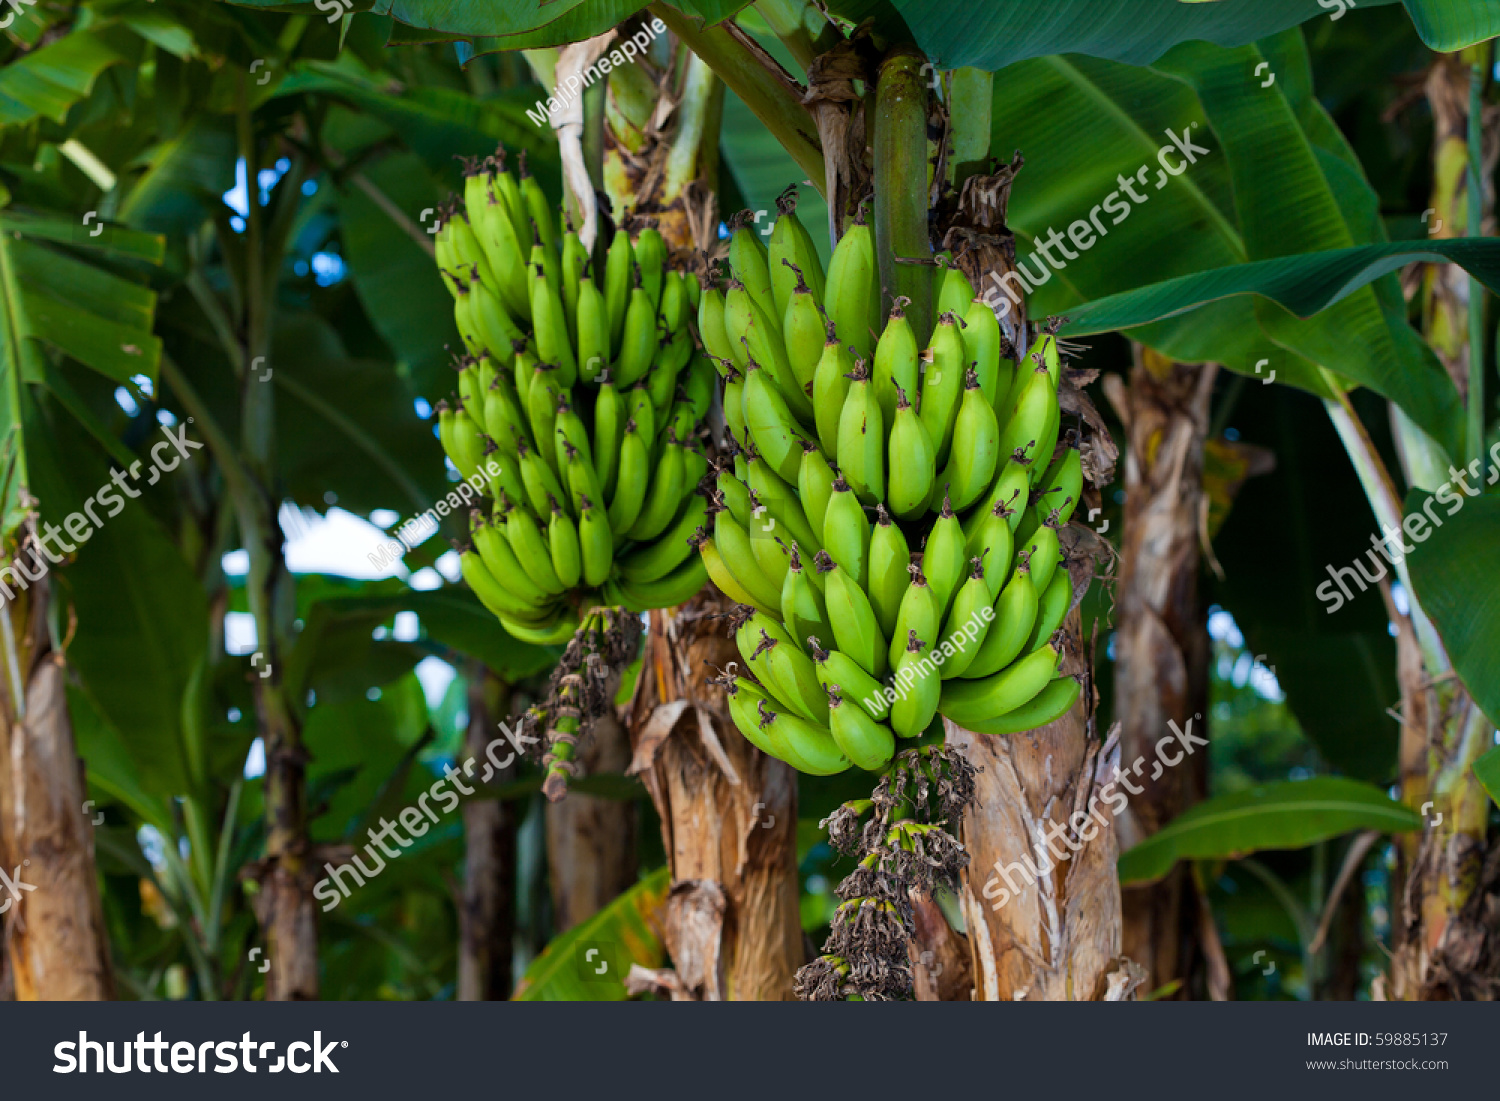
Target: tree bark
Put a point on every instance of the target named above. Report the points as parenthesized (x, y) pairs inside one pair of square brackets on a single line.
[(591, 841), (54, 922), (487, 906), (1044, 924), (728, 816), (1161, 638)]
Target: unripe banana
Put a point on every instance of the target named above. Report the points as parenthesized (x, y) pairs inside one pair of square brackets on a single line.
[(639, 342), (560, 628), (942, 383), (852, 294), (814, 487), (675, 588), (810, 747), (830, 388), (505, 189), (1047, 706), (915, 708), (734, 547), (861, 439), (465, 322), (745, 698), (503, 420), (720, 574), (895, 360), (531, 549), (966, 701), (748, 262), (541, 411), (802, 334), (1044, 553), (920, 615), (498, 331), (700, 387), (802, 609), (562, 543), (846, 533), (838, 669), (1026, 428), (639, 408), (992, 543), (657, 559), (771, 553), (781, 503), (976, 447), (592, 327), (736, 497), (575, 262), (596, 543), (630, 485), (1015, 613), (538, 481), (945, 559), (855, 631), (869, 744), (468, 444), (734, 405), (500, 560), (969, 621), (664, 496), (772, 426), (1060, 488), (750, 328), (1052, 608), (609, 429), (790, 241), (711, 325), (1046, 353), (651, 259), (982, 344), (523, 369), (490, 592), (619, 278), (912, 461), (889, 574), (955, 292), (1009, 491)]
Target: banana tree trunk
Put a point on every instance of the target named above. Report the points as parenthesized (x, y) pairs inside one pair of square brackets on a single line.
[(487, 923), (1161, 638), (1443, 877), (728, 817), (54, 922)]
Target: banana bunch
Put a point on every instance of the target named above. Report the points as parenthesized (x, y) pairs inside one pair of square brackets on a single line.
[(581, 399), (887, 510)]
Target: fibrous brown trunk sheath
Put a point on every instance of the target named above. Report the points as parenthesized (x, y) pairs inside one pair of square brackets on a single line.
[(728, 816), (487, 907), (591, 841), (1161, 639), (1044, 921), (54, 922)]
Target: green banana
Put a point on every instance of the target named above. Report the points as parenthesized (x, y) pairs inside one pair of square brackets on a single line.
[(802, 333), (851, 618), (531, 549), (869, 744), (976, 446), (861, 440), (895, 360), (771, 424), (838, 670), (915, 707), (1015, 613), (942, 383), (562, 542), (596, 543), (1052, 609), (945, 559), (1047, 706), (791, 246), (968, 623), (919, 616), (846, 532), (912, 461), (656, 560), (966, 701), (830, 388), (889, 570), (802, 609), (852, 292), (630, 486), (814, 486)]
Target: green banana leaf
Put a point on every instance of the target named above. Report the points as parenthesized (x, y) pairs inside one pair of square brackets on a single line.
[(50, 297), (1303, 285), (142, 623), (47, 82), (1487, 768), (1452, 569), (1284, 815), (589, 962)]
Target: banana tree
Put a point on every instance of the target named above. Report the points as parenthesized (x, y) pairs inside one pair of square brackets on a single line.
[(994, 37)]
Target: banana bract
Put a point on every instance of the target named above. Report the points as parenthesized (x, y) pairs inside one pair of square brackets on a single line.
[(870, 502), (579, 415)]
